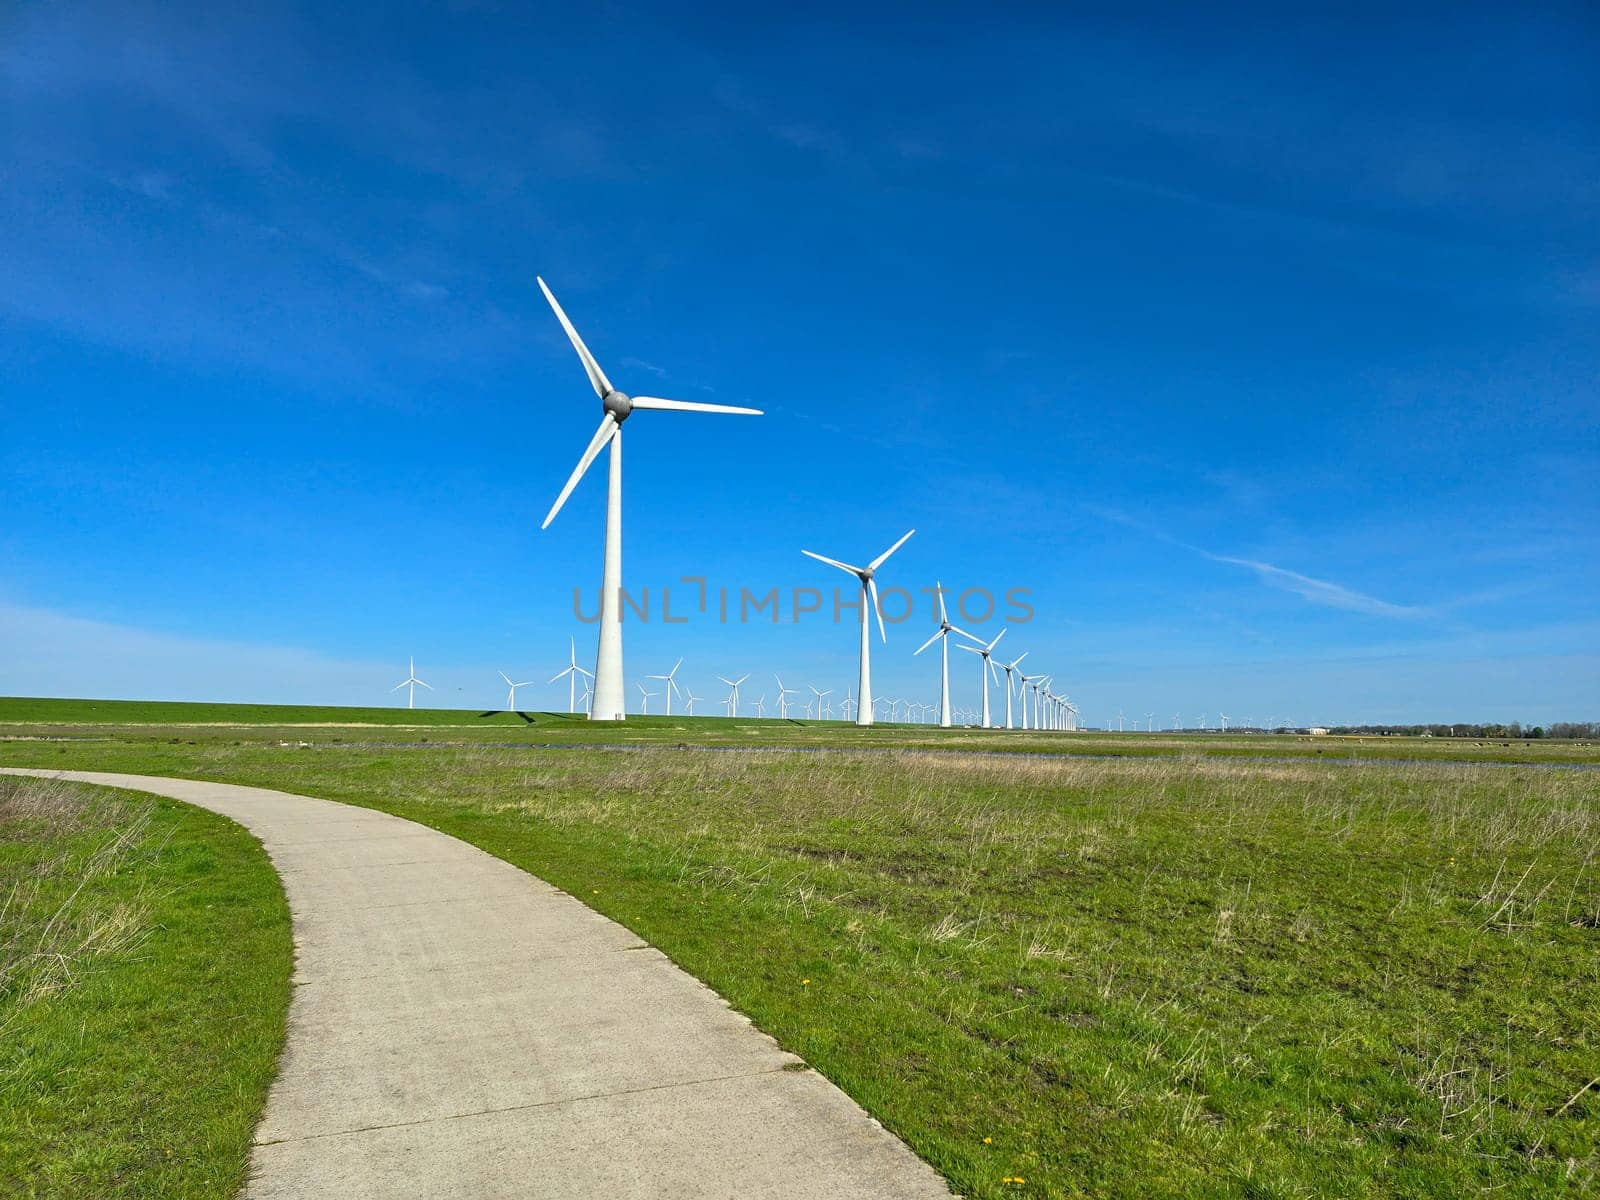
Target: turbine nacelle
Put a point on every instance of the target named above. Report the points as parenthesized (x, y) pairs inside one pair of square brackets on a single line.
[(618, 403)]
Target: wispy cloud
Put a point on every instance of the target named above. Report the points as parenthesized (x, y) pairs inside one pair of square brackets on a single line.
[(1320, 591), (1307, 587)]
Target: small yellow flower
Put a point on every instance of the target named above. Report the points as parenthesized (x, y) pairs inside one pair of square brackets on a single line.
[(989, 1141), (805, 983)]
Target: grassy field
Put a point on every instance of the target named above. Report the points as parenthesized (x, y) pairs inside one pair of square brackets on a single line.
[(129, 720), (1106, 977), (144, 979)]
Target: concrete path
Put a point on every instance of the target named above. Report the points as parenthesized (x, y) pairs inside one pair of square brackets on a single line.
[(460, 1028)]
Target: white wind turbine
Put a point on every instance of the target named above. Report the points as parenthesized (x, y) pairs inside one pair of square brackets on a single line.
[(671, 682), (869, 598), (511, 696), (644, 704), (822, 712), (783, 698), (609, 697), (849, 703), (733, 695), (572, 674), (1010, 669), (942, 635), (761, 705), (985, 668), (688, 701), (410, 684)]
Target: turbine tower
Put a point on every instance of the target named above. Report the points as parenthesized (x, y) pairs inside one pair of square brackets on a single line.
[(942, 635), (410, 684), (610, 700), (869, 597), (511, 696)]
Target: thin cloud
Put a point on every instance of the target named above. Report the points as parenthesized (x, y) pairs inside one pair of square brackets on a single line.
[(1321, 591)]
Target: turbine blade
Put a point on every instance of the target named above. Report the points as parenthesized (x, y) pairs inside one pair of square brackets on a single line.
[(929, 642), (997, 638), (884, 557), (506, 677), (1020, 657), (597, 377), (832, 562), (561, 674), (399, 685), (938, 590), (872, 587), (608, 427), (692, 406), (965, 634), (969, 649), (429, 686)]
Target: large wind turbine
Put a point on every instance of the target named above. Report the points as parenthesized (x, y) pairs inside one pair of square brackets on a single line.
[(511, 696), (610, 700), (869, 598), (571, 674), (942, 635), (986, 668), (410, 684), (672, 684)]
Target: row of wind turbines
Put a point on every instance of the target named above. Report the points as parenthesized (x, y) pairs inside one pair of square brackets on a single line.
[(1041, 707)]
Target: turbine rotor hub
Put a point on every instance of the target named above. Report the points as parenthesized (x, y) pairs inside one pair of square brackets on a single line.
[(618, 404)]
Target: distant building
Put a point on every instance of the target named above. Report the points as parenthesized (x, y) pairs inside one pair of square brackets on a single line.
[(1317, 731)]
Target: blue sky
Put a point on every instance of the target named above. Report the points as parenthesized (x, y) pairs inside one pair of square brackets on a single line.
[(1264, 356)]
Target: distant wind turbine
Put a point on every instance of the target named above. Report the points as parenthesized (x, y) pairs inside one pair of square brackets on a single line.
[(783, 698), (869, 599), (609, 696), (942, 635), (572, 673), (511, 696), (671, 682), (644, 704), (1010, 669), (688, 701), (410, 683), (985, 668), (733, 695), (822, 712)]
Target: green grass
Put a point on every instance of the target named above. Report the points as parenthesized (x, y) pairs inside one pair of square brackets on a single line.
[(130, 720), (1137, 977), (144, 979)]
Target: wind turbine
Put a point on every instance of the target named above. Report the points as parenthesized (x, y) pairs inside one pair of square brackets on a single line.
[(821, 712), (942, 635), (644, 706), (688, 701), (869, 596), (1223, 717), (783, 698), (985, 668), (672, 684), (733, 696), (1150, 722), (849, 703), (609, 697), (511, 697), (1010, 668), (572, 674), (1024, 683), (410, 684), (761, 705)]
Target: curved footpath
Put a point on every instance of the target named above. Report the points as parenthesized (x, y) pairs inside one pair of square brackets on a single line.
[(460, 1028)]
